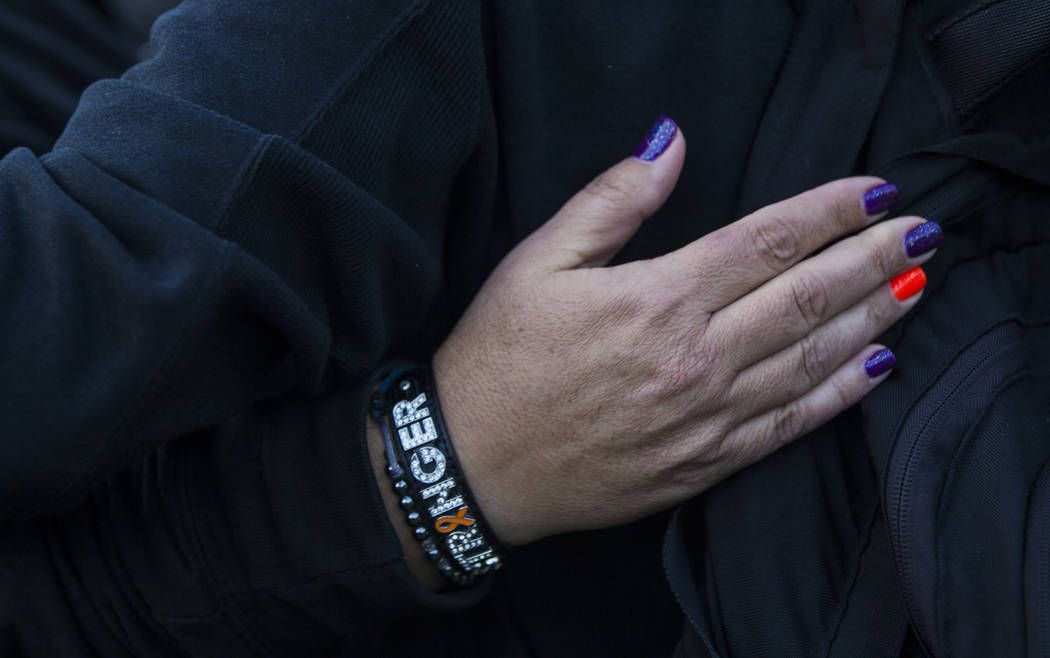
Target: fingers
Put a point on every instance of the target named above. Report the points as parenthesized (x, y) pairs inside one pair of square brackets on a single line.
[(750, 251), (763, 434), (792, 372), (784, 310), (601, 218)]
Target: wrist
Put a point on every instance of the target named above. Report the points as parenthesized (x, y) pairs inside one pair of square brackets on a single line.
[(427, 478), (471, 416), (422, 568)]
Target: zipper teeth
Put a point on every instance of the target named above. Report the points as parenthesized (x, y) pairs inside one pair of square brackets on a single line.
[(941, 201), (960, 186), (904, 487)]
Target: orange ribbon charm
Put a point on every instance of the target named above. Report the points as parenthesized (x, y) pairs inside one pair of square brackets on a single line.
[(447, 524)]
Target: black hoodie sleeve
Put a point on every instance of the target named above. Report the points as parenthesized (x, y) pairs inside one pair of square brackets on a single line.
[(258, 210), (265, 537), (198, 281)]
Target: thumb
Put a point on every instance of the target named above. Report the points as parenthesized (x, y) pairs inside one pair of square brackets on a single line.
[(602, 217)]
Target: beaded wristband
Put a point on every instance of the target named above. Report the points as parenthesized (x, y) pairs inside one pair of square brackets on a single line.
[(427, 477)]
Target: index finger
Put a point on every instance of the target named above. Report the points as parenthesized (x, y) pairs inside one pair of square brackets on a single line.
[(734, 260)]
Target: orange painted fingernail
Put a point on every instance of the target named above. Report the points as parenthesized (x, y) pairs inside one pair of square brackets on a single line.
[(908, 284)]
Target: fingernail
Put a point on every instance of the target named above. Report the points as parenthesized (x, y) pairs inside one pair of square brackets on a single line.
[(908, 284), (923, 238), (880, 362), (880, 198), (657, 140)]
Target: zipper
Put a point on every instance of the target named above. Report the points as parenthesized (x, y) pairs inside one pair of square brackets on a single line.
[(967, 371), (956, 198), (964, 189), (955, 201)]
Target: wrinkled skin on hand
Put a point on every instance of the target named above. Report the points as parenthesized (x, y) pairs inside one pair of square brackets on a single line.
[(581, 396)]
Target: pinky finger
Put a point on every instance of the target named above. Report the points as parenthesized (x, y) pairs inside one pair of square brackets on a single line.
[(761, 435)]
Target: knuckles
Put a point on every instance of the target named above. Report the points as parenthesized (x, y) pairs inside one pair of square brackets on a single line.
[(834, 205), (618, 192), (876, 318), (788, 424), (815, 357), (883, 260), (674, 333), (845, 216), (612, 188), (777, 242), (845, 394), (810, 298)]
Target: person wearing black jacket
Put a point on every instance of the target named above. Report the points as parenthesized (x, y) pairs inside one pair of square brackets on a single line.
[(213, 318)]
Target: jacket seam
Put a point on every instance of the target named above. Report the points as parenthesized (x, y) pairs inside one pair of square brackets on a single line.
[(336, 90)]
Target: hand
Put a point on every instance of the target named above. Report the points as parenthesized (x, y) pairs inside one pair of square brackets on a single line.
[(581, 396)]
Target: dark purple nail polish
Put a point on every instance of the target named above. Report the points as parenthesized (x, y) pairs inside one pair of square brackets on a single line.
[(657, 140), (879, 362), (880, 198), (923, 238)]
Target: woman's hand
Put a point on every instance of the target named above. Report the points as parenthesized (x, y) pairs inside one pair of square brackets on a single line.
[(582, 396)]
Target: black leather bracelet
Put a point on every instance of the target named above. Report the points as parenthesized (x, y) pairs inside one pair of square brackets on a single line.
[(428, 479)]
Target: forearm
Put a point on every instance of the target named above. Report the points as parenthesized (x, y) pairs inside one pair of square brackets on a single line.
[(268, 530), (191, 246)]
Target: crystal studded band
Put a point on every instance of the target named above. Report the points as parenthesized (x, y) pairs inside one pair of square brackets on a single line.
[(427, 478)]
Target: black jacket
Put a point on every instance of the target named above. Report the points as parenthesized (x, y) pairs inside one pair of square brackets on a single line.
[(223, 245)]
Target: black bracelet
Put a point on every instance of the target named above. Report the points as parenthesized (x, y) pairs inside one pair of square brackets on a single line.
[(427, 477)]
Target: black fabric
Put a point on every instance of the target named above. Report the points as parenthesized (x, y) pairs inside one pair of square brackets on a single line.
[(50, 51), (796, 551), (972, 442), (824, 100), (874, 622), (982, 50), (199, 278), (222, 246), (137, 15)]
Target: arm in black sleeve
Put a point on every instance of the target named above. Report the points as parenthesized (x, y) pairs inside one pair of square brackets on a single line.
[(259, 210), (265, 537)]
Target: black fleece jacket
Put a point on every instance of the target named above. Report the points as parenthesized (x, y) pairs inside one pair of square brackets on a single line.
[(202, 274)]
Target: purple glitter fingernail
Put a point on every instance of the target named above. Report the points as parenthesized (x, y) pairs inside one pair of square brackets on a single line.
[(880, 198), (879, 362), (657, 140), (923, 238)]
